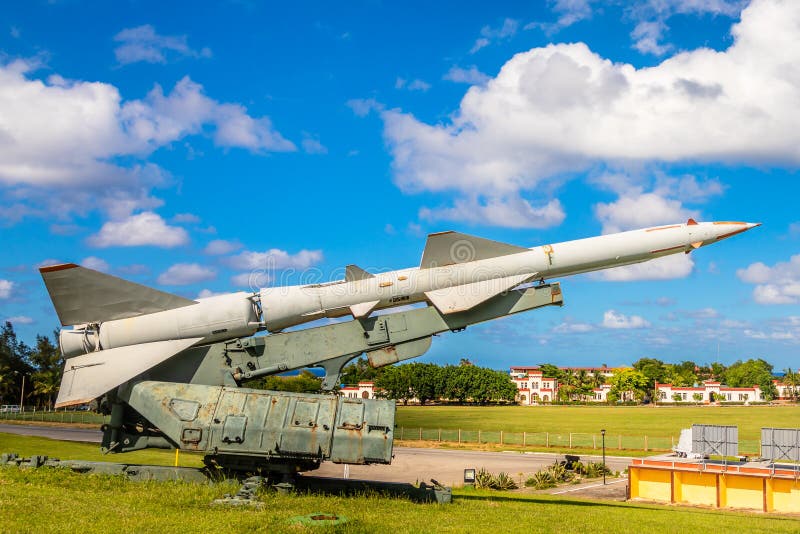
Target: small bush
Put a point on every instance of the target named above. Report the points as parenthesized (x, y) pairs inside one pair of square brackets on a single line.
[(504, 482), (542, 479)]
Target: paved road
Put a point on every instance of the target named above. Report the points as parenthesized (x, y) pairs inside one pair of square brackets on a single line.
[(54, 432), (409, 465)]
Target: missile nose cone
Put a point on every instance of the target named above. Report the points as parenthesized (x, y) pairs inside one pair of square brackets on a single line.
[(725, 229)]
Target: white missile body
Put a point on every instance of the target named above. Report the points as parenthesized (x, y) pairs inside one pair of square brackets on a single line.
[(459, 271), (129, 328)]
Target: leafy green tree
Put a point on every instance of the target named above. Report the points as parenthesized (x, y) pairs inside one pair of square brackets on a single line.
[(791, 379), (48, 361), (682, 374), (629, 382), (753, 372), (359, 371), (303, 382), (14, 363), (395, 383)]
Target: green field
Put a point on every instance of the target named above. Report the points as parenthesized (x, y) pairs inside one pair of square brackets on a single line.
[(56, 500), (626, 426)]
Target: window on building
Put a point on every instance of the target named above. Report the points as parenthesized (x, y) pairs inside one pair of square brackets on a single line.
[(534, 385)]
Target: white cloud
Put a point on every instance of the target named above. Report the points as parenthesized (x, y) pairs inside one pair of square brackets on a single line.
[(49, 166), (413, 85), (221, 246), (652, 16), (779, 284), (19, 319), (471, 75), (252, 280), (6, 287), (647, 36), (569, 12), (555, 111), (364, 106), (205, 293), (615, 320), (489, 34), (312, 145), (98, 264), (145, 228), (274, 259), (572, 328), (511, 212), (665, 268), (142, 43), (649, 209), (182, 274)]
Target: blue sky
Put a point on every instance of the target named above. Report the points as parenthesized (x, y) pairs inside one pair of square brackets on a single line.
[(186, 146)]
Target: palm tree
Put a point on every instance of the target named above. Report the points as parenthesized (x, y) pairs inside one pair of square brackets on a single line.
[(791, 379)]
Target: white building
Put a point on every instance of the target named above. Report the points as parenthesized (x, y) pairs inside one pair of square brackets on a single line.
[(364, 390)]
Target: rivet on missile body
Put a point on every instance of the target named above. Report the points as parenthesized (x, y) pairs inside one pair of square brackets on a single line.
[(401, 278), (385, 284)]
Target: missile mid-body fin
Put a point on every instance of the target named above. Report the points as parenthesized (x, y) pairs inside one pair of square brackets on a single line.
[(363, 309), (448, 248), (82, 295), (460, 298), (91, 375), (354, 272)]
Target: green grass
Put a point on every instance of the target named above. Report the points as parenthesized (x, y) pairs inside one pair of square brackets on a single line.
[(623, 424), (71, 450), (54, 500)]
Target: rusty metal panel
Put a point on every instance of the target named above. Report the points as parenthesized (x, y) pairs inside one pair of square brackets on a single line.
[(364, 431)]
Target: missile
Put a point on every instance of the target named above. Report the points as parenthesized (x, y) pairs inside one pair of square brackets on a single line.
[(115, 323), (459, 271)]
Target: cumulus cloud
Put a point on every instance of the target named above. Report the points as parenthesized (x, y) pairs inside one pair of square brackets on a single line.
[(60, 138), (6, 287), (220, 246), (471, 75), (252, 280), (640, 211), (182, 274), (555, 111), (142, 43), (779, 284), (146, 228), (98, 264), (652, 18), (274, 259), (512, 212), (312, 145), (615, 320)]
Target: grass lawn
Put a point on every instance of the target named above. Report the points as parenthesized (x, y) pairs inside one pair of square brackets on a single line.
[(54, 500), (71, 450), (658, 423)]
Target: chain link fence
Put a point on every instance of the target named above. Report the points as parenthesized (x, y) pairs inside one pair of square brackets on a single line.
[(54, 416), (559, 440)]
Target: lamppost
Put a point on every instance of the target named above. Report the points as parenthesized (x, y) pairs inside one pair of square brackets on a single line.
[(603, 433), (22, 391)]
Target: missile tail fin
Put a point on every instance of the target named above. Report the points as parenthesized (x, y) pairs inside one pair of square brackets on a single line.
[(456, 299), (448, 248), (82, 295), (91, 375)]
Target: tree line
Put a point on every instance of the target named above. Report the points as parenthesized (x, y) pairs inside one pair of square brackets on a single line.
[(40, 366)]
